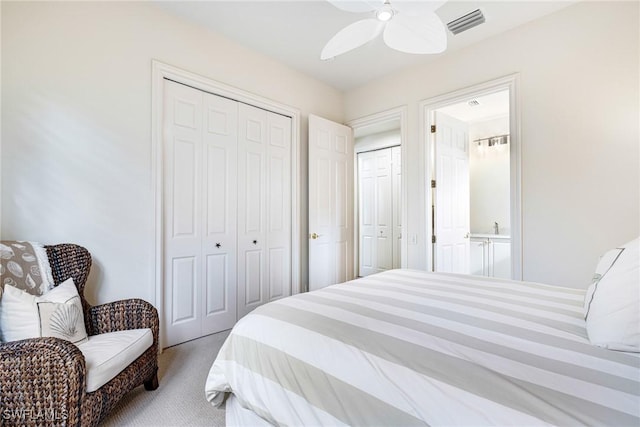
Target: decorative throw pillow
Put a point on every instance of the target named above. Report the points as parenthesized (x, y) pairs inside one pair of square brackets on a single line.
[(25, 265), (613, 318), (58, 313)]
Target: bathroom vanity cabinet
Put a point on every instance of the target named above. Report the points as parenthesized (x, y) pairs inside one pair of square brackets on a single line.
[(490, 255)]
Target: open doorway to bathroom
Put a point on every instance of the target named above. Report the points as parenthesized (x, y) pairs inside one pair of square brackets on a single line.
[(473, 165)]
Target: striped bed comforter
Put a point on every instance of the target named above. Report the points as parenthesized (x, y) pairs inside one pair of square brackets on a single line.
[(407, 347)]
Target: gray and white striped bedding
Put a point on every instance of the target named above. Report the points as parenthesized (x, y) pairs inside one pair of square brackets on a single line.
[(406, 347)]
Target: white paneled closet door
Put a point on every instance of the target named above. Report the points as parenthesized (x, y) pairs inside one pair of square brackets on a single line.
[(264, 207), (396, 182), (367, 213), (200, 138), (384, 210), (379, 177), (219, 219)]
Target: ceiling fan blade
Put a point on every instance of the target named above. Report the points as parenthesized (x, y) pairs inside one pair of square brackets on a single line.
[(357, 6), (413, 7), (416, 34), (351, 37)]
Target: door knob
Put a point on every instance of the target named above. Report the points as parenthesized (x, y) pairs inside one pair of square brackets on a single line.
[(466, 236), (314, 236)]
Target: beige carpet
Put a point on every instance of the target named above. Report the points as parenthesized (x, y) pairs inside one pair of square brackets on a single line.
[(179, 401)]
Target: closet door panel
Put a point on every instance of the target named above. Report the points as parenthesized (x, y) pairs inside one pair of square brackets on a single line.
[(278, 207), (253, 195), (252, 146), (182, 139), (217, 292), (252, 279), (219, 245), (384, 210), (396, 179), (367, 213), (279, 285), (184, 281), (343, 182)]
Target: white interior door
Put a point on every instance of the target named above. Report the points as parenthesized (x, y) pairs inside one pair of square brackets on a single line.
[(264, 207), (252, 144), (219, 219), (367, 213), (396, 180), (451, 199), (199, 213), (376, 211), (278, 206), (182, 212), (330, 203), (384, 210)]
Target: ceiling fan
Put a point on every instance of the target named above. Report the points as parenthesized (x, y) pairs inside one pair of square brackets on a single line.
[(409, 26)]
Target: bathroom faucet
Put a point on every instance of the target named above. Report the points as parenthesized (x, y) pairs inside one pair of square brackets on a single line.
[(495, 228)]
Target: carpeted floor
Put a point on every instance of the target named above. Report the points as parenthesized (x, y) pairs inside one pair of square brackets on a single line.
[(179, 401)]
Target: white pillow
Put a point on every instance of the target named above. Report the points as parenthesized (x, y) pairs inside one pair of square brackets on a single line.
[(57, 313), (613, 318), (604, 264), (18, 315)]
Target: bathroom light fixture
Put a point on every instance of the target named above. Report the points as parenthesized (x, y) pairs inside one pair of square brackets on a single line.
[(492, 141)]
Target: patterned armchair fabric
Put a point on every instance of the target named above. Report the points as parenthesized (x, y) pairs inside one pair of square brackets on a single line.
[(42, 380)]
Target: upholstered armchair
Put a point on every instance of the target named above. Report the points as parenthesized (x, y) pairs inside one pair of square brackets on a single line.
[(43, 381)]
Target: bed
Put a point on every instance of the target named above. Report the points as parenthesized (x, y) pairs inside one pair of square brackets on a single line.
[(407, 347)]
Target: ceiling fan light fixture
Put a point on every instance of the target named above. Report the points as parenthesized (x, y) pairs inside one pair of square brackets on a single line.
[(413, 27), (385, 13)]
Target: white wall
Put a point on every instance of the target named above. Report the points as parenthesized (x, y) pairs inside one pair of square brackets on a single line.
[(580, 144), (377, 141), (489, 178), (76, 154), (76, 125)]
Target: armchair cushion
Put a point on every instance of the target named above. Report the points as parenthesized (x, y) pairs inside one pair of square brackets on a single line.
[(57, 313), (106, 355)]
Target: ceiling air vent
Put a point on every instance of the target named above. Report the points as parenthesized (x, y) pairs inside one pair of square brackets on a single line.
[(465, 22)]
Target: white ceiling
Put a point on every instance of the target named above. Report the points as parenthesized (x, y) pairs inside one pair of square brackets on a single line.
[(488, 107), (294, 32)]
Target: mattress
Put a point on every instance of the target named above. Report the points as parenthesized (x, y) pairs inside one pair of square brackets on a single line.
[(407, 347)]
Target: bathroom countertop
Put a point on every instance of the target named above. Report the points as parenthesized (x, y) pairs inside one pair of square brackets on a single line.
[(489, 236)]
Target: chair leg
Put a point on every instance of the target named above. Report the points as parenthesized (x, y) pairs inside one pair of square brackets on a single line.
[(152, 383)]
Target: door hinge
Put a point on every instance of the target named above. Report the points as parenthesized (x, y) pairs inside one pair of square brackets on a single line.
[(433, 238), (433, 128), (433, 183)]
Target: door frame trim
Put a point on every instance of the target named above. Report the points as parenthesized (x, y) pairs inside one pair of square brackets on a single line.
[(161, 71), (427, 110), (397, 113)]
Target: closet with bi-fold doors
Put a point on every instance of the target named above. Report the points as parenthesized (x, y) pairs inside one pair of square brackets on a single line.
[(379, 210), (226, 210)]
